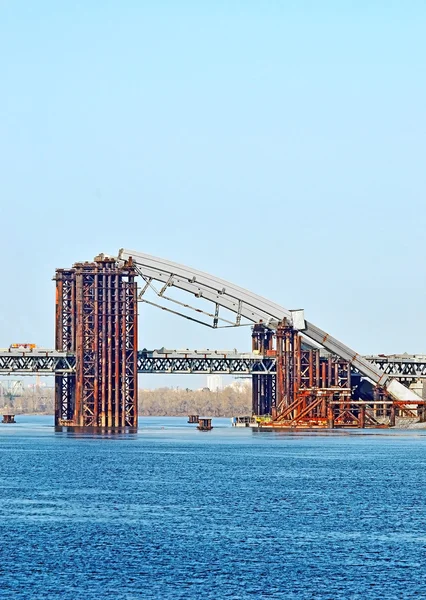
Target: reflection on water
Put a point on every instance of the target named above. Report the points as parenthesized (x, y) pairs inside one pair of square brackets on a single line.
[(101, 432)]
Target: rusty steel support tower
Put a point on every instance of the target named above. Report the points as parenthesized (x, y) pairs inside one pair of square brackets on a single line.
[(96, 318), (312, 390), (309, 390)]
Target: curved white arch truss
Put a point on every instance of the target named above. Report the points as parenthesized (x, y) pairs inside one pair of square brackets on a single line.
[(254, 308)]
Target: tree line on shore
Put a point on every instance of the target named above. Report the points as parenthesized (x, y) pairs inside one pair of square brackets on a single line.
[(228, 402)]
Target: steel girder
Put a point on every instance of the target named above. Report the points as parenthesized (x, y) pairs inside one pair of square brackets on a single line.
[(254, 308), (404, 367), (30, 363), (50, 362), (201, 365)]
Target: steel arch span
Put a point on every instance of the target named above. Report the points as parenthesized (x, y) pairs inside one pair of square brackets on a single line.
[(246, 304)]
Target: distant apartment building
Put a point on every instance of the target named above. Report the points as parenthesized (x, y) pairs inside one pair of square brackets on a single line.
[(215, 383)]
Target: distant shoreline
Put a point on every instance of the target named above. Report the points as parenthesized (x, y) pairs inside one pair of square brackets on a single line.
[(49, 414)]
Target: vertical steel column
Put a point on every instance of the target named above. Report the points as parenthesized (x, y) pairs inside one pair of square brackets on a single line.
[(255, 408), (273, 380), (130, 399), (60, 398), (361, 416), (64, 342), (103, 344), (256, 345), (262, 385), (96, 348), (119, 331), (86, 353), (123, 304), (79, 336), (280, 370), (109, 382), (287, 366)]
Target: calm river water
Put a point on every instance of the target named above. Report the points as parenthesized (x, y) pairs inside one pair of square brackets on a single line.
[(174, 513)]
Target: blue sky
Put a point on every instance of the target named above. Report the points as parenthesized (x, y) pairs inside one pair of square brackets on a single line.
[(280, 145)]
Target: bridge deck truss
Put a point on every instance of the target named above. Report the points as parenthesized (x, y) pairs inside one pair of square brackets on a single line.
[(49, 362)]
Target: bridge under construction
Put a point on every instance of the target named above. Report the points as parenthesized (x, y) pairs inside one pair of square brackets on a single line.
[(301, 375)]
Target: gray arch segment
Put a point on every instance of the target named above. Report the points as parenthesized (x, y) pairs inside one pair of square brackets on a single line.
[(255, 308)]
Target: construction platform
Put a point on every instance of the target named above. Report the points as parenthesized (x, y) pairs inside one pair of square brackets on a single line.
[(314, 389)]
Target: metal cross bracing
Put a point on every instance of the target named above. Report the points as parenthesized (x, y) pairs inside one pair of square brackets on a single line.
[(46, 362), (313, 390), (96, 320), (249, 306), (401, 366), (263, 385), (65, 380), (49, 362), (225, 365), (307, 383)]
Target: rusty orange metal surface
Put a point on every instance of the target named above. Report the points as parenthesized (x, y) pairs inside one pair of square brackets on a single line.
[(96, 318), (316, 391)]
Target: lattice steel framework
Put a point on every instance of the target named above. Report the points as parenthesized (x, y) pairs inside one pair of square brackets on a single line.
[(249, 306), (316, 390), (129, 378), (204, 365), (49, 362), (309, 386), (263, 385), (402, 367), (96, 318), (65, 342)]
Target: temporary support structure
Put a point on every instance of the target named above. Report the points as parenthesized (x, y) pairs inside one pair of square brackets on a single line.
[(263, 390), (96, 319), (252, 307), (317, 389)]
